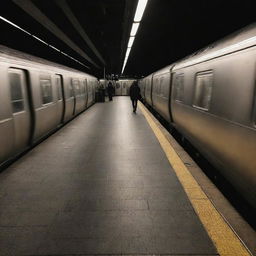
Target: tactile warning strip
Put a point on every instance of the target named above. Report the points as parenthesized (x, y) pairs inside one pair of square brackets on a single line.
[(223, 236)]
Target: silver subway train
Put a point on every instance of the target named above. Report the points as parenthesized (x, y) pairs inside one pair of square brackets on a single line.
[(210, 97), (37, 97)]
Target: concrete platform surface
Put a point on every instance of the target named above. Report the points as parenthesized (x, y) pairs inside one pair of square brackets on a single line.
[(100, 185)]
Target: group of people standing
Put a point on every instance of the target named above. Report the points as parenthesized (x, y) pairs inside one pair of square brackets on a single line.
[(134, 93)]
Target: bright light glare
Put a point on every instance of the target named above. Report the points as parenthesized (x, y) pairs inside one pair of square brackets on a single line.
[(54, 48), (137, 18), (127, 52), (140, 10), (131, 40), (135, 27), (37, 38), (13, 24)]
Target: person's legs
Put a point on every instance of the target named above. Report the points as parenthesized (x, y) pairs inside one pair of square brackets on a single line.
[(135, 105)]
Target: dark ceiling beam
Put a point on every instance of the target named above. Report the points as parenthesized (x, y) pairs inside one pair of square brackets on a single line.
[(33, 11), (69, 14), (130, 8)]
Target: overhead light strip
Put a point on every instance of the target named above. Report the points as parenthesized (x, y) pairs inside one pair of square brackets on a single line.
[(42, 41), (131, 40), (136, 23), (140, 10), (135, 27)]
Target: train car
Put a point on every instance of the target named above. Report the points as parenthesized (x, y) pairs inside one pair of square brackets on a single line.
[(142, 89), (37, 97), (91, 84), (212, 103), (161, 92), (122, 87), (147, 83)]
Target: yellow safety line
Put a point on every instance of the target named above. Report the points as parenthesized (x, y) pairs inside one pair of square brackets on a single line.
[(225, 239)]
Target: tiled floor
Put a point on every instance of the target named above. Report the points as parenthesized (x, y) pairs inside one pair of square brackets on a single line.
[(100, 185)]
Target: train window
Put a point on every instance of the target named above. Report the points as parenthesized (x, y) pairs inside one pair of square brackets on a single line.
[(71, 90), (82, 87), (179, 87), (89, 89), (161, 87), (16, 92), (165, 86), (58, 84), (76, 86), (148, 85), (156, 85), (46, 90), (203, 90)]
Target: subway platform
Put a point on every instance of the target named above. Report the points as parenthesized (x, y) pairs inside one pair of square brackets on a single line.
[(104, 185)]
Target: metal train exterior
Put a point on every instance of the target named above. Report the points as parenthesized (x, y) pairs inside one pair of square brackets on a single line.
[(37, 97), (210, 97), (122, 87)]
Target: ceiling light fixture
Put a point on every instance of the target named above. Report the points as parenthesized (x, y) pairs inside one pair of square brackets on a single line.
[(127, 52), (137, 18), (131, 40), (42, 41), (134, 30), (140, 10)]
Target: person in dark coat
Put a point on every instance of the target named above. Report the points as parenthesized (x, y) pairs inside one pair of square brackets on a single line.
[(134, 95), (110, 90)]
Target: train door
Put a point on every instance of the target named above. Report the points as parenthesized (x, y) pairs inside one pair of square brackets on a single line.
[(20, 108), (90, 99), (83, 93), (58, 81), (118, 88), (124, 88), (86, 92), (172, 82), (73, 97)]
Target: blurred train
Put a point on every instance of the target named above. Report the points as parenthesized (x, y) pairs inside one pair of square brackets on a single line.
[(121, 86), (37, 97), (210, 98)]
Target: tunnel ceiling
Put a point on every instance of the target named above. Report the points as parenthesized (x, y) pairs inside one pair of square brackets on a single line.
[(95, 32)]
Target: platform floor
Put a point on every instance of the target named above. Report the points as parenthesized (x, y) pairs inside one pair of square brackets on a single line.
[(100, 185)]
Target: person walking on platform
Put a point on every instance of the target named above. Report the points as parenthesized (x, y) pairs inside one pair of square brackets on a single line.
[(134, 95), (110, 90)]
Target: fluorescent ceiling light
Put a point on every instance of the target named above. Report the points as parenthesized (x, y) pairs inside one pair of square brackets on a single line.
[(37, 38), (140, 10), (127, 52), (54, 48), (135, 27), (13, 24), (131, 40), (137, 18)]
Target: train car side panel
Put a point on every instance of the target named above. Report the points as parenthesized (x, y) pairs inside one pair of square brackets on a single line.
[(46, 109), (212, 105), (6, 119), (148, 89), (18, 88), (160, 94), (69, 98)]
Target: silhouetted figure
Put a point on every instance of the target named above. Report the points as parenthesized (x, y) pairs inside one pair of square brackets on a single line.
[(134, 95), (110, 90)]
